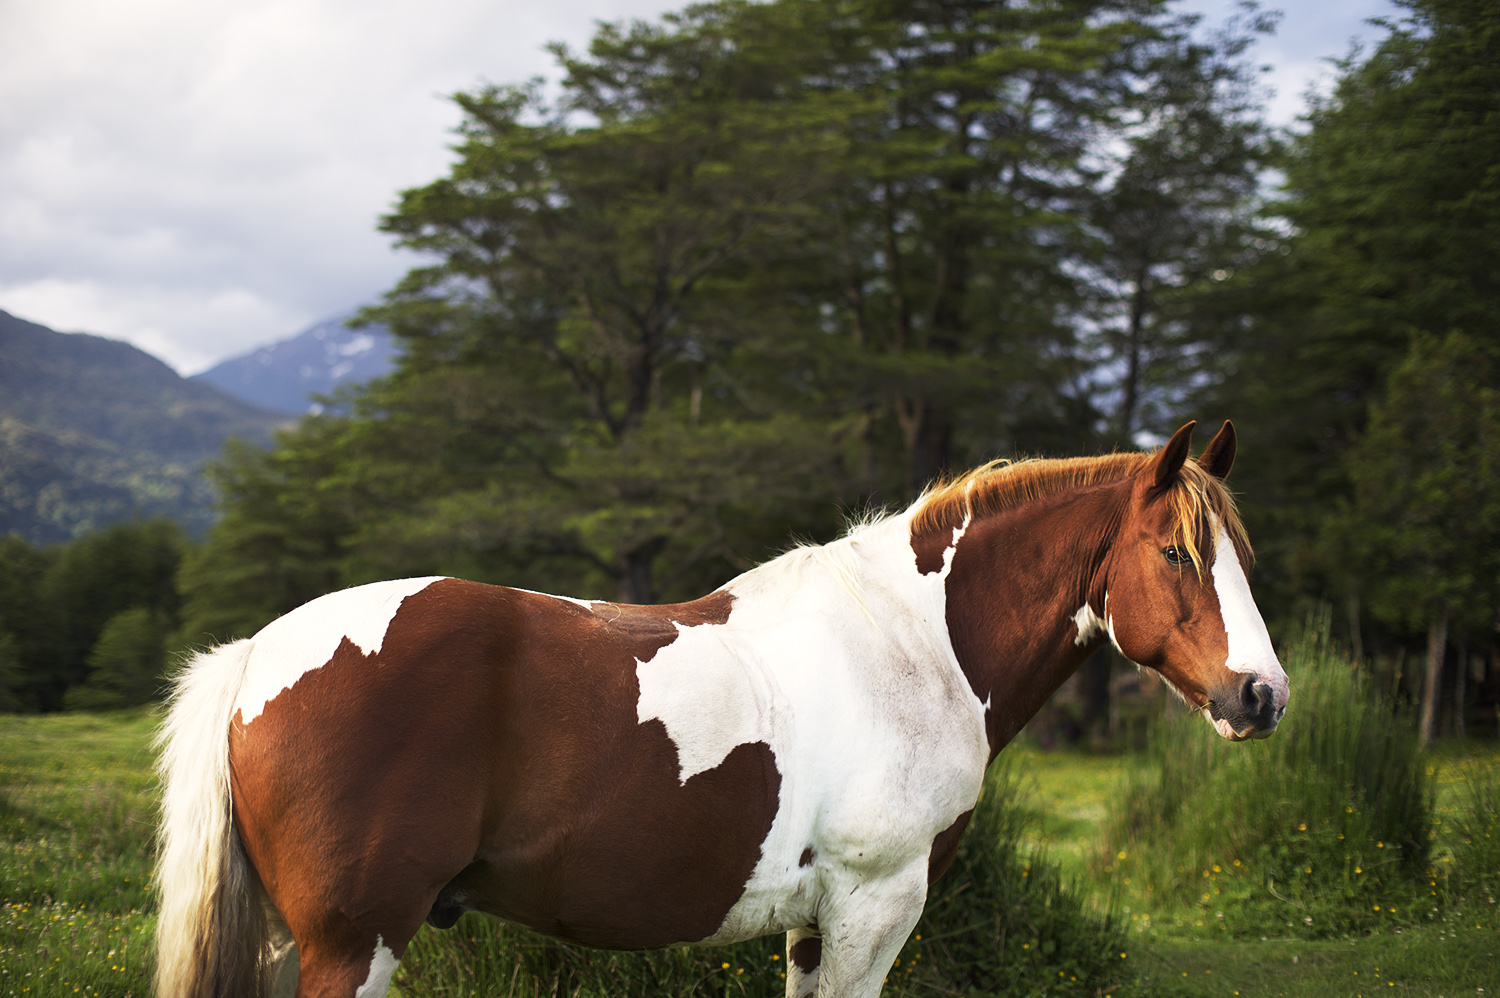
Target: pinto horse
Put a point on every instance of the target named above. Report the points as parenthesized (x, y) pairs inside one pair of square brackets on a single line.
[(798, 751)]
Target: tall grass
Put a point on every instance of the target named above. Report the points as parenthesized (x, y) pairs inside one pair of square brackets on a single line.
[(1325, 827), (1000, 922), (1475, 839)]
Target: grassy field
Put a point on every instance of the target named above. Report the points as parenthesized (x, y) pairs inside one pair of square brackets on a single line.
[(75, 843), (76, 824)]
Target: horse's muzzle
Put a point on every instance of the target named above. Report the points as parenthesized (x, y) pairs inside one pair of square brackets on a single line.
[(1247, 711)]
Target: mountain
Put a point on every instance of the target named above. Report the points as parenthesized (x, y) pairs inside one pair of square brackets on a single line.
[(285, 376), (93, 431)]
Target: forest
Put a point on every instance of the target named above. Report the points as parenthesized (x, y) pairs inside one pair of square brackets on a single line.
[(758, 269)]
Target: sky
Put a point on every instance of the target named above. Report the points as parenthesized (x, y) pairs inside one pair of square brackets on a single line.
[(203, 178)]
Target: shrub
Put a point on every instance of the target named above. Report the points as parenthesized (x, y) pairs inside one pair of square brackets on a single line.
[(998, 923), (1326, 826), (126, 663)]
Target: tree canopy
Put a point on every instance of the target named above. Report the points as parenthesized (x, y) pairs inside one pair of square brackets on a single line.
[(755, 267)]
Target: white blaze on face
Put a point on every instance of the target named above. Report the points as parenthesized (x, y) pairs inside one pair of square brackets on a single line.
[(305, 639), (1250, 648), (382, 966)]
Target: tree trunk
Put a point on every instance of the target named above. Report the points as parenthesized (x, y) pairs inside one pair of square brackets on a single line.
[(1356, 639), (1093, 690), (1461, 677), (1135, 337), (1437, 641), (635, 572)]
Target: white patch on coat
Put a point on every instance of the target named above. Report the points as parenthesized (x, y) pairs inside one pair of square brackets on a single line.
[(291, 646), (876, 734), (382, 965), (1090, 625), (1250, 649)]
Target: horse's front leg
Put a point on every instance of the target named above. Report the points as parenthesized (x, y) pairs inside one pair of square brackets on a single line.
[(861, 929), (804, 955)]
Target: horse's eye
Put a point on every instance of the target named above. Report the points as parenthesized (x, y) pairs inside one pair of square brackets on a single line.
[(1175, 555)]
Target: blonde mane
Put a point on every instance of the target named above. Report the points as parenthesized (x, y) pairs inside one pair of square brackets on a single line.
[(1000, 485)]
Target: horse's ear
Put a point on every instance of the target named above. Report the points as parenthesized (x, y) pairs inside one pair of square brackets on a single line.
[(1170, 459), (1218, 457)]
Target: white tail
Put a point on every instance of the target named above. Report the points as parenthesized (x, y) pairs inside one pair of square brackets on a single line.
[(211, 935)]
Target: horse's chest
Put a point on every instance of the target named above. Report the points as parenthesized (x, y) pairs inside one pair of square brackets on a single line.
[(876, 755)]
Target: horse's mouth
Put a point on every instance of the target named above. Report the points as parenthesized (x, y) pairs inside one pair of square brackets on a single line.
[(1251, 731)]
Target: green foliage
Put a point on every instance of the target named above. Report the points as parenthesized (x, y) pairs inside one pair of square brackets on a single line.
[(1177, 217), (1326, 827), (127, 664), (57, 604), (754, 263), (1423, 528), (999, 922), (1389, 220)]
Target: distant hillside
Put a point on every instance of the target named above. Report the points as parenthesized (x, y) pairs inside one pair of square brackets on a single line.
[(93, 431), (285, 376)]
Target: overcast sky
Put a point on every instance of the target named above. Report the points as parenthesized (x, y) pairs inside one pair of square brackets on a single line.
[(202, 178)]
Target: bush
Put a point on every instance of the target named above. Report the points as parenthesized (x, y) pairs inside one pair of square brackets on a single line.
[(1326, 826), (998, 923), (126, 663)]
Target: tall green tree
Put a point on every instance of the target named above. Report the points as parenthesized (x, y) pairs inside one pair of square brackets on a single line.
[(574, 261), (1421, 536), (1390, 221), (955, 244), (27, 627), (752, 263), (1177, 215)]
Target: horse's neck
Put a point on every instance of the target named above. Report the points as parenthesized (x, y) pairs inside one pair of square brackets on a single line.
[(999, 595), (1016, 583)]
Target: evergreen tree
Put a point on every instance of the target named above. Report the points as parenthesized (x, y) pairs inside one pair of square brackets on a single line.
[(1421, 537), (1391, 228)]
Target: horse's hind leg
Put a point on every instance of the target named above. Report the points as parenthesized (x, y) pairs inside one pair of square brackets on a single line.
[(282, 956), (340, 971)]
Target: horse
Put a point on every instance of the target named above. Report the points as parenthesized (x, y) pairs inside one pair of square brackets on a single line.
[(797, 752)]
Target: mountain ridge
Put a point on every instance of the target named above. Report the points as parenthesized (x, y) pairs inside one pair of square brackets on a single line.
[(94, 431), (285, 376)]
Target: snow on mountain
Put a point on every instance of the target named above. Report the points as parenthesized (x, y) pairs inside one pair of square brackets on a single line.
[(286, 375)]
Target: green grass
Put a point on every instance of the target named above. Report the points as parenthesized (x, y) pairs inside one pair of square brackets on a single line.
[(75, 912), (76, 825)]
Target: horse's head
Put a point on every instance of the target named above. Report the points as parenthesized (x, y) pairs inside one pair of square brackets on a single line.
[(1177, 598)]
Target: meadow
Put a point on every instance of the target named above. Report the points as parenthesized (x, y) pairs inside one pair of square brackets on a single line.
[(76, 825)]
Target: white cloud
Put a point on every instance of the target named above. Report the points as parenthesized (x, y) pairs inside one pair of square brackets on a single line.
[(201, 178)]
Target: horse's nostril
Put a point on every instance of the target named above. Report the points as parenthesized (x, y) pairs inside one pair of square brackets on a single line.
[(1265, 703), (1259, 702), (1249, 697)]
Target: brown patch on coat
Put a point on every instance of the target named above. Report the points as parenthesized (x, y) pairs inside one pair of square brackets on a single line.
[(930, 548), (945, 846), (806, 953), (491, 746), (806, 858)]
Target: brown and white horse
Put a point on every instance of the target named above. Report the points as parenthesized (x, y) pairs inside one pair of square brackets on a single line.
[(796, 752)]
